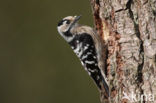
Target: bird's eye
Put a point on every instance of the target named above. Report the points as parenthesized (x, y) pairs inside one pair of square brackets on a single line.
[(68, 22), (60, 22)]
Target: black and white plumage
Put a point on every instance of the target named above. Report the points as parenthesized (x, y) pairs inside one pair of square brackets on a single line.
[(85, 43)]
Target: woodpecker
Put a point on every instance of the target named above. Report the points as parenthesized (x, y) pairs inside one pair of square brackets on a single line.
[(86, 45)]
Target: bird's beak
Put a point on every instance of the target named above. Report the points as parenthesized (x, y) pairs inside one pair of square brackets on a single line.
[(74, 21), (76, 18)]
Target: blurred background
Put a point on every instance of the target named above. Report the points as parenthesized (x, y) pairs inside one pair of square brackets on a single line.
[(36, 64)]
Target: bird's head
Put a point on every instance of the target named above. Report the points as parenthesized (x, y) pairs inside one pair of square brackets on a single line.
[(66, 24)]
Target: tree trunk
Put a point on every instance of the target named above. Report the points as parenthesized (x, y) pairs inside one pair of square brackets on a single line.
[(128, 28)]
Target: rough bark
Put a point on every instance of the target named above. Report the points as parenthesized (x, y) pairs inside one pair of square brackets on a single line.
[(128, 28)]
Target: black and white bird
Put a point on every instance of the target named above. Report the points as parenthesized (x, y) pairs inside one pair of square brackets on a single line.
[(86, 44)]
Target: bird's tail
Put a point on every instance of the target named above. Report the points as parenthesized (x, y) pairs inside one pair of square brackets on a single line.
[(105, 86), (101, 82)]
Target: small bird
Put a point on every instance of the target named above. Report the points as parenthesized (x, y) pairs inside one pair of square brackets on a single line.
[(86, 45)]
